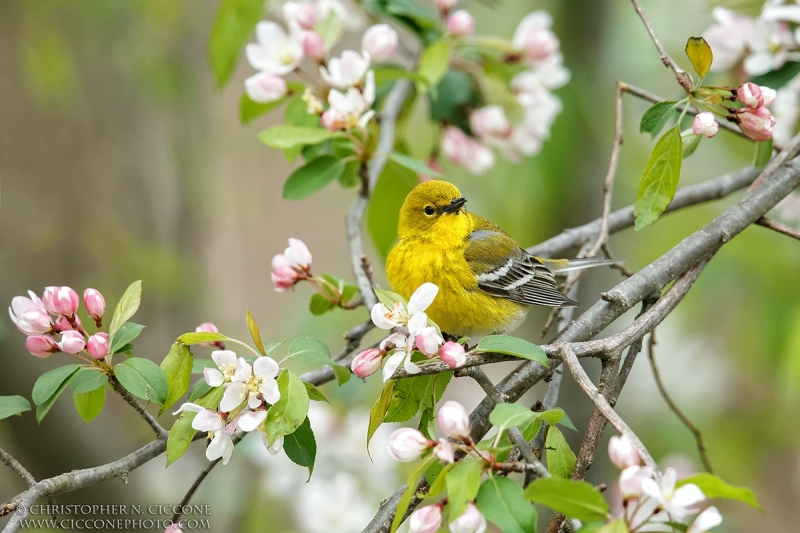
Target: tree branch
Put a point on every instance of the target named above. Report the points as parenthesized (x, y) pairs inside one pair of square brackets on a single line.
[(17, 468), (780, 227), (160, 432), (680, 75)]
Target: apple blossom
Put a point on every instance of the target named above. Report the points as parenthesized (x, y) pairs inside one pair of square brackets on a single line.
[(97, 345), (756, 123), (677, 502), (407, 444), (367, 362), (426, 519), (534, 38), (41, 345), (72, 342), (470, 521), (299, 13), (277, 52), (219, 431), (174, 528), (352, 109), (428, 341), (453, 354), (630, 481), (709, 518), (705, 124), (444, 451), (30, 315), (453, 420), (293, 265), (489, 121), (750, 95), (62, 301), (464, 151), (229, 368), (460, 23), (313, 45), (768, 43), (252, 384), (403, 349), (380, 42), (264, 87), (401, 314), (622, 452), (276, 447), (345, 71), (206, 327), (768, 94), (251, 420), (95, 304), (728, 37)]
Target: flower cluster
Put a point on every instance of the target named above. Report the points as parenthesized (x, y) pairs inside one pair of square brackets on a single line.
[(753, 117), (52, 323), (422, 335), (249, 390), (649, 501), (536, 49), (292, 266)]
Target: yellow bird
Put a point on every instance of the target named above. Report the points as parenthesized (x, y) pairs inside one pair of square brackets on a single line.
[(486, 280)]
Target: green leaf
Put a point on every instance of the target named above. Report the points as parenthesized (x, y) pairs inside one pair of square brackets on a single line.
[(463, 482), (410, 395), (312, 177), (342, 373), (454, 91), (255, 332), (690, 142), (557, 416), (591, 527), (49, 387), (412, 10), (506, 415), (616, 526), (413, 164), (126, 307), (199, 365), (87, 380), (301, 446), (433, 63), (394, 184), (13, 405), (126, 333), (512, 346), (714, 487), (503, 503), (763, 153), (560, 458), (180, 436), (200, 388), (211, 399), (438, 481), (233, 26), (388, 298), (297, 115), (576, 499), (314, 393), (289, 412), (699, 54), (319, 305), (285, 136), (197, 338), (177, 368), (659, 179), (311, 350), (411, 487), (272, 347), (655, 118), (89, 404), (143, 378), (379, 410), (250, 110)]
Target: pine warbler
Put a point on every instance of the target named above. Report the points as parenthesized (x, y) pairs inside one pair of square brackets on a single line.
[(486, 280)]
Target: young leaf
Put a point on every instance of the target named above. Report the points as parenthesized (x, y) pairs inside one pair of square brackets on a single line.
[(233, 26), (289, 412), (285, 136), (413, 164), (13, 405), (411, 488), (433, 63), (576, 499), (503, 503), (177, 368), (506, 415), (560, 458), (659, 179), (126, 307), (378, 411), (126, 333), (463, 482), (49, 387), (314, 393), (342, 373), (311, 350), (714, 487), (255, 332), (143, 378), (699, 54), (690, 142), (87, 380), (763, 153), (204, 336), (512, 346), (314, 176), (617, 526), (250, 110), (211, 399), (89, 404), (655, 118), (438, 482), (180, 436), (301, 446), (389, 298), (200, 388)]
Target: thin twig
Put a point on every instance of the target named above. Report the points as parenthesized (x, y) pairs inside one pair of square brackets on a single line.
[(160, 432), (680, 74), (780, 227), (633, 351), (698, 436), (788, 152), (10, 507), (17, 468)]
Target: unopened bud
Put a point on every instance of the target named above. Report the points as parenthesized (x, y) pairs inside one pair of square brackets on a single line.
[(425, 520), (41, 345), (453, 354), (460, 23), (97, 345), (367, 362), (95, 304), (407, 444), (453, 420), (72, 342), (313, 45)]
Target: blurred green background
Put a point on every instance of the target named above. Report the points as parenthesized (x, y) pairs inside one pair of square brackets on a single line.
[(119, 161)]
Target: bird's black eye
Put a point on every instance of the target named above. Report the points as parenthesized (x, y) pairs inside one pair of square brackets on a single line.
[(429, 210)]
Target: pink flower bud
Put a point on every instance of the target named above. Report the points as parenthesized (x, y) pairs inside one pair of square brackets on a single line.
[(622, 452), (72, 342), (30, 315), (293, 265), (63, 324), (428, 341), (446, 5), (95, 303), (541, 44), (756, 123), (705, 124), (769, 95), (750, 95), (407, 444), (265, 87), (425, 520), (299, 13), (97, 345), (380, 42), (298, 255), (460, 23), (313, 45), (462, 150), (630, 481), (367, 362), (444, 451), (41, 345), (206, 327), (328, 120), (174, 528), (453, 354), (453, 420), (61, 301), (470, 521), (490, 121)]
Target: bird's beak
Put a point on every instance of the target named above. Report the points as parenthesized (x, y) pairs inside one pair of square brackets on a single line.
[(455, 205)]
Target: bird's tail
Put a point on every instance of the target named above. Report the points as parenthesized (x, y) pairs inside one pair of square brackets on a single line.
[(560, 266)]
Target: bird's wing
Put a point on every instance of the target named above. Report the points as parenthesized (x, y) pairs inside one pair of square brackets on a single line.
[(503, 269)]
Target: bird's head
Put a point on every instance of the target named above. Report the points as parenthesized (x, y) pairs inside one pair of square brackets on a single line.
[(434, 209)]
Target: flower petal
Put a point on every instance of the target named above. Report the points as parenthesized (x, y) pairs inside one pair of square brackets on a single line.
[(191, 407), (265, 367), (213, 377), (207, 421), (269, 390), (392, 363), (422, 298), (224, 357), (234, 395), (250, 421)]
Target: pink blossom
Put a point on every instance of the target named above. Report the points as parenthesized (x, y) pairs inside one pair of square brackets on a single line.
[(453, 354), (534, 38), (705, 124), (470, 521), (453, 420), (756, 123), (622, 452), (466, 152), (300, 14), (630, 480), (769, 95), (460, 23), (444, 451), (428, 341), (728, 37), (407, 444), (95, 303), (380, 42), (208, 327), (63, 324), (97, 345), (72, 342), (367, 362), (174, 528), (425, 519), (313, 45), (490, 121), (30, 315), (293, 265), (345, 71), (750, 95), (41, 345), (277, 52), (265, 87), (61, 301)]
